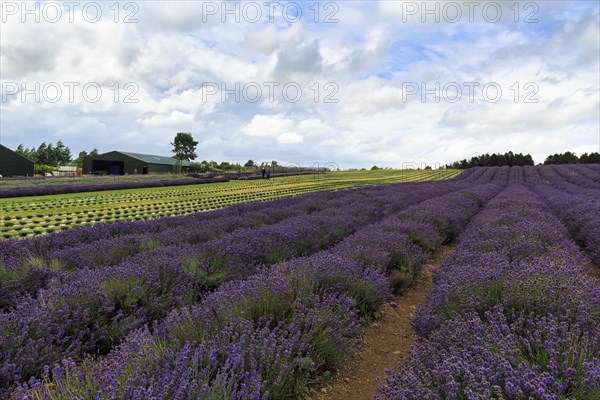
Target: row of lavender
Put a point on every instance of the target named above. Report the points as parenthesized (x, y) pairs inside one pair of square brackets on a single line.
[(578, 209), (272, 334), (569, 179), (95, 187), (573, 194), (575, 179), (512, 313), (91, 309)]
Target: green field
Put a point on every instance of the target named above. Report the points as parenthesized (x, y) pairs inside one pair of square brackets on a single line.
[(29, 216)]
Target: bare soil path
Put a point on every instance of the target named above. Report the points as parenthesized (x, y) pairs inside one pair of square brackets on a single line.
[(386, 342), (592, 270)]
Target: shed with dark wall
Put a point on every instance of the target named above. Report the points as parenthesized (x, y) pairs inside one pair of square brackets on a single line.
[(121, 163), (14, 164)]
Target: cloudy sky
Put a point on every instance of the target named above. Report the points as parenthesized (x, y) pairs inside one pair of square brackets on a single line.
[(355, 83)]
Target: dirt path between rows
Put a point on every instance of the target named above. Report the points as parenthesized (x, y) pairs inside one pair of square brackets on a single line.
[(386, 342), (592, 270)]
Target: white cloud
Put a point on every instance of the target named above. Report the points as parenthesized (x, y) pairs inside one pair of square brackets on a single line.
[(175, 118), (268, 126), (315, 127), (374, 98), (290, 138)]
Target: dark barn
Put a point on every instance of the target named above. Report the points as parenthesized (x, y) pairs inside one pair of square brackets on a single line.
[(14, 164), (121, 163)]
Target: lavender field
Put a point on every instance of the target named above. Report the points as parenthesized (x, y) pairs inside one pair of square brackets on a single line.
[(262, 300), (24, 215)]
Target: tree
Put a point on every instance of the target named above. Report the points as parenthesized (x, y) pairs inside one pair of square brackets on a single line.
[(567, 158), (48, 154), (592, 158), (80, 157), (225, 166), (43, 153), (249, 164), (184, 146), (83, 154), (29, 153), (570, 158), (487, 160), (62, 154)]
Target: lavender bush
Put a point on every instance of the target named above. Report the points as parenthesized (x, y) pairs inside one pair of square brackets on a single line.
[(579, 212), (511, 314)]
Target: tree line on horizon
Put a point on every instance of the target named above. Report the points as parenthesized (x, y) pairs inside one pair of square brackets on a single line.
[(185, 146), (511, 159), (571, 158), (493, 160)]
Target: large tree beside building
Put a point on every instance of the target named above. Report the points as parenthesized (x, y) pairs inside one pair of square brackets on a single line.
[(184, 147)]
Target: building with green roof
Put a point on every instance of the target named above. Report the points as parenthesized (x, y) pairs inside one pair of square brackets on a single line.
[(123, 162)]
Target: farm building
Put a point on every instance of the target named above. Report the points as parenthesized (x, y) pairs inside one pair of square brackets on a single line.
[(121, 163), (14, 164), (66, 170)]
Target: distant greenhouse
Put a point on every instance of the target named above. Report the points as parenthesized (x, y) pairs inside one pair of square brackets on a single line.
[(14, 164), (121, 163)]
